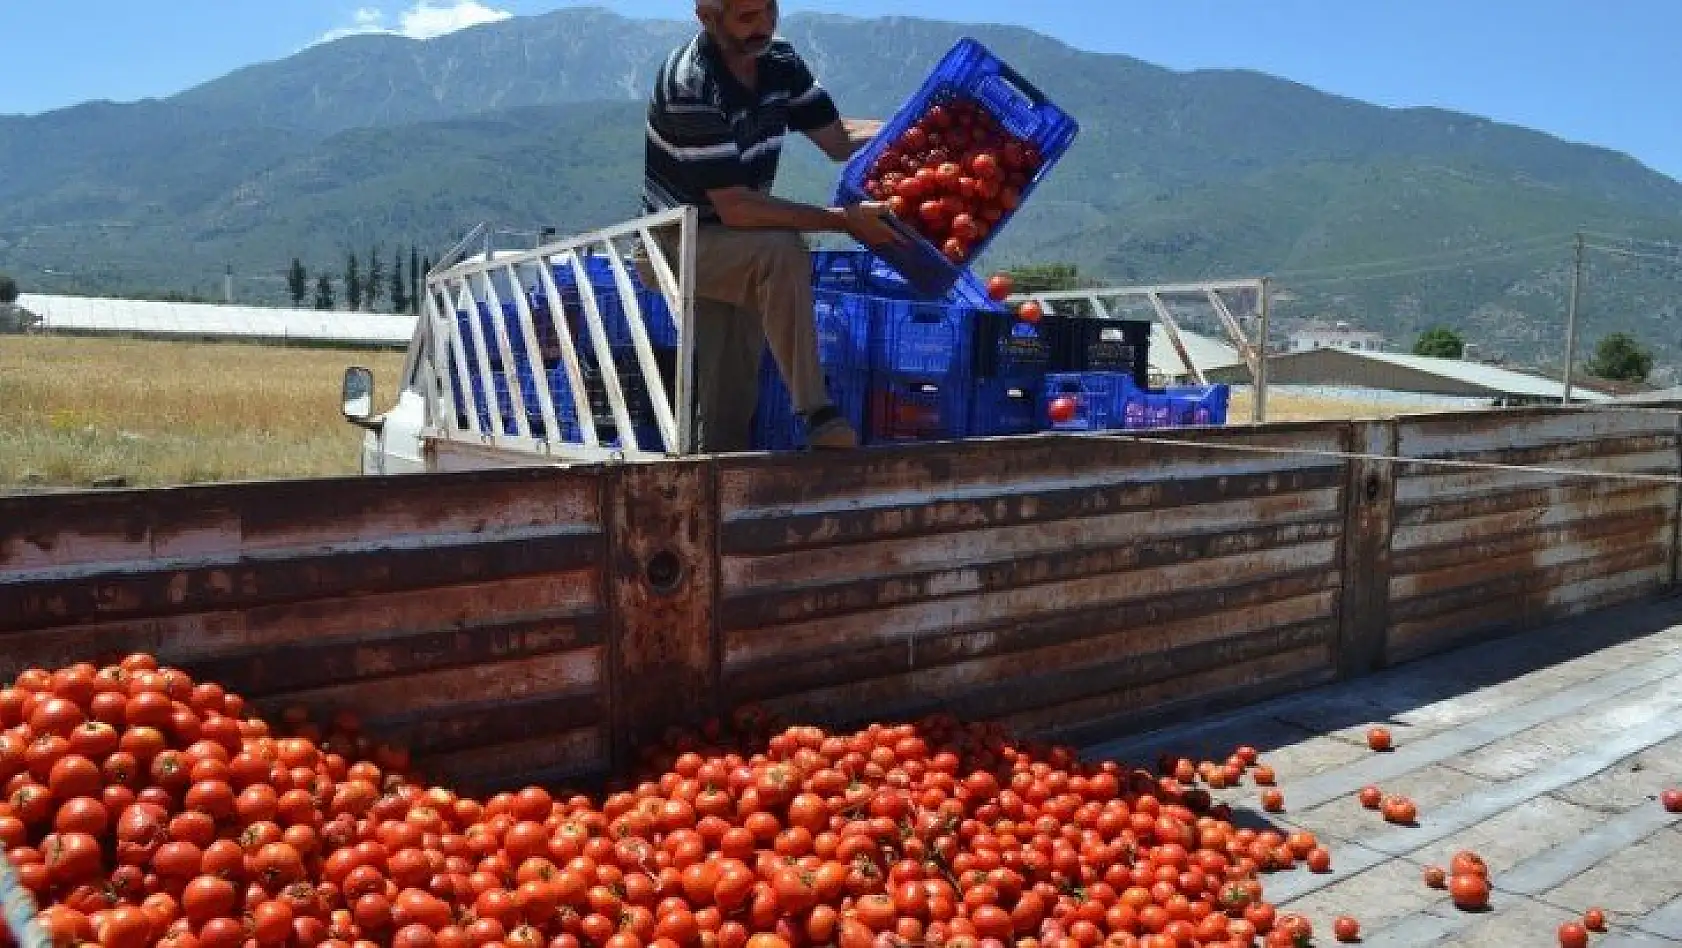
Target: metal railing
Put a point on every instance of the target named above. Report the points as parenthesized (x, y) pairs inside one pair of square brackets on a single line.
[(1252, 351), (465, 284)]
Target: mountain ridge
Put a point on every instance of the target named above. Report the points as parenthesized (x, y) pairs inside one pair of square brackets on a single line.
[(535, 121)]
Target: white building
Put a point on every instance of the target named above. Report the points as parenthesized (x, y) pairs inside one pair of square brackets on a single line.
[(1338, 335)]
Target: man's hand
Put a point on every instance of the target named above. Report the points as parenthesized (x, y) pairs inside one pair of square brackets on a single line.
[(841, 139), (867, 223), (861, 131)]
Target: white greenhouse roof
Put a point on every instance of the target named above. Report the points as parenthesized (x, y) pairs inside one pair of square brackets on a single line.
[(1206, 352), (94, 314)]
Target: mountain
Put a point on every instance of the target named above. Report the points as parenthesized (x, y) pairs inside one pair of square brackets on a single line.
[(1393, 218)]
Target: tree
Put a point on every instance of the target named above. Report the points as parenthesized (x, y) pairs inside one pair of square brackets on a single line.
[(324, 292), (298, 282), (415, 276), (8, 290), (399, 284), (1046, 277), (374, 285), (1439, 341), (353, 283), (1619, 358)]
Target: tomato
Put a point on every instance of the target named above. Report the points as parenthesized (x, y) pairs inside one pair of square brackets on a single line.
[(1031, 311), (1435, 877), (1378, 738), (1467, 862), (1594, 919), (1371, 797), (1399, 810), (271, 923), (72, 858), (58, 717), (126, 927), (178, 860), (78, 815), (1671, 799), (1469, 891), (1573, 935), (1345, 928), (1273, 801)]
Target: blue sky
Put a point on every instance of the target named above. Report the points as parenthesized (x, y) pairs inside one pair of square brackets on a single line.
[(1612, 77)]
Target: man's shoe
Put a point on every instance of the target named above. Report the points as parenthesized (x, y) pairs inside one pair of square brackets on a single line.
[(828, 430)]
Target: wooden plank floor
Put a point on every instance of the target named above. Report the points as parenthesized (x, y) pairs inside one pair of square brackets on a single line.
[(1545, 752)]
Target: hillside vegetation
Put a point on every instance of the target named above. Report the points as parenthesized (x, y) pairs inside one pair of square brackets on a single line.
[(1394, 218)]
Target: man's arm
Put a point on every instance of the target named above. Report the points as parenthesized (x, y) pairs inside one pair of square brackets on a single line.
[(843, 138), (745, 208)]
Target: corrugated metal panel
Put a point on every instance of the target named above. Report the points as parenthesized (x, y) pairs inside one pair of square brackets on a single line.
[(1407, 373), (462, 615), (1062, 585), (1476, 552)]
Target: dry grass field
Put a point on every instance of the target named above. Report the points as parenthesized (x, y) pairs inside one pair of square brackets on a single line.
[(1294, 406), (75, 410)]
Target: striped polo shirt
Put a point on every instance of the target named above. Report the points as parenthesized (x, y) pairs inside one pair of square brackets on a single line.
[(706, 130)]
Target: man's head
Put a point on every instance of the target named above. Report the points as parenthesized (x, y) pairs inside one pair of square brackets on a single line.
[(739, 27)]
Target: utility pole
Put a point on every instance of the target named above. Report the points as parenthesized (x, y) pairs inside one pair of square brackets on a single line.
[(1571, 318), (1259, 408)]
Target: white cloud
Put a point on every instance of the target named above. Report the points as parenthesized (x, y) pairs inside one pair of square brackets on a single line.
[(425, 20)]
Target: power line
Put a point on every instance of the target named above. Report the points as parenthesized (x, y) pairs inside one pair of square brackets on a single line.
[(1504, 246), (1631, 239), (1675, 258), (1451, 265)]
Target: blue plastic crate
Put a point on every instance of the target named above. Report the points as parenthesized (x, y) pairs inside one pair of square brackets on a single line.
[(775, 426), (504, 418), (861, 271), (1006, 406), (955, 342), (560, 393), (487, 326), (1202, 404), (845, 324), (1102, 400), (657, 317), (907, 408), (479, 406), (969, 70)]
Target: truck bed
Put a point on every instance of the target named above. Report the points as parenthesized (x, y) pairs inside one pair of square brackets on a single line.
[(1545, 753)]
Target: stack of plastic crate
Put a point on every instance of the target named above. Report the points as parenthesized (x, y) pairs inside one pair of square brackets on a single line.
[(944, 371)]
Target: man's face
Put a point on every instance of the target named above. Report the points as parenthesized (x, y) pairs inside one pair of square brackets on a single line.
[(743, 27)]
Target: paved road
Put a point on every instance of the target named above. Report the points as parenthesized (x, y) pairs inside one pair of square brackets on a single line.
[(1544, 752)]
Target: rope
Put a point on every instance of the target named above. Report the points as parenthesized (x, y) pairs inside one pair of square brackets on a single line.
[(1666, 479), (18, 908)]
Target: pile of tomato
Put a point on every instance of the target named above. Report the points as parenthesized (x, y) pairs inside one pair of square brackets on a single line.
[(143, 808), (953, 175)]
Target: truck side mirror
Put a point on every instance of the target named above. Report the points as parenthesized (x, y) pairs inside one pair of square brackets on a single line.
[(358, 395)]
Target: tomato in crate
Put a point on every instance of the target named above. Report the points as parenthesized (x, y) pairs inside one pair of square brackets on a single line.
[(956, 162)]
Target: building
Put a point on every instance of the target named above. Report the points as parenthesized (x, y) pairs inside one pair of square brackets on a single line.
[(1338, 335), (1395, 372), (1663, 398), (214, 321)]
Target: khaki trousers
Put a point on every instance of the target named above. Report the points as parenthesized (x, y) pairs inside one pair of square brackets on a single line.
[(751, 287)]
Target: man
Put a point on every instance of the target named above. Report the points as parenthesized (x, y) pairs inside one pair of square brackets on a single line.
[(721, 106)]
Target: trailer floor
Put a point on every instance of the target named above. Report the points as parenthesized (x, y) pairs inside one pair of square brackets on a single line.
[(1544, 752)]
